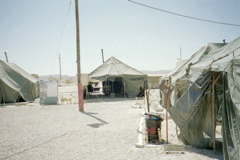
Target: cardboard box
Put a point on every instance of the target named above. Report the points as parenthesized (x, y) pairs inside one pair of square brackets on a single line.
[(112, 94)]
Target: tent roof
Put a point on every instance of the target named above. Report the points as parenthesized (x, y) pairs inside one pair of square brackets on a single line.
[(114, 68), (213, 56)]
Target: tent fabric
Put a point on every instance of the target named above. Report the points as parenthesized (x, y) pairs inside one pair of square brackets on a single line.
[(231, 110), (16, 84), (191, 99), (112, 68)]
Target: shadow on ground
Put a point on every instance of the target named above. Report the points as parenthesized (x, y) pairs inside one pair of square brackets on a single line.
[(94, 99), (95, 125), (218, 154)]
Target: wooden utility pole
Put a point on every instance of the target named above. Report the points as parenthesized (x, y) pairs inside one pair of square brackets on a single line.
[(60, 67), (180, 53), (80, 91), (102, 56)]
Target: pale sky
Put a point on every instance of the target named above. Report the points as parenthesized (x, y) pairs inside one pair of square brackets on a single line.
[(31, 32)]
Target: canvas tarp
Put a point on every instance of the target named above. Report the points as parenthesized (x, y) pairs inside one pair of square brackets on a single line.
[(191, 100), (16, 84), (112, 68)]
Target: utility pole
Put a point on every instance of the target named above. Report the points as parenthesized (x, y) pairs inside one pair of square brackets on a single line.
[(180, 53), (80, 91), (60, 67), (6, 56), (102, 56)]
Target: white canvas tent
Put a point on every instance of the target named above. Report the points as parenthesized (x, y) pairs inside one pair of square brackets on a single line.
[(133, 80)]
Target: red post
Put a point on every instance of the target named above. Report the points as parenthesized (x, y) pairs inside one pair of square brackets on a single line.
[(80, 98), (166, 118)]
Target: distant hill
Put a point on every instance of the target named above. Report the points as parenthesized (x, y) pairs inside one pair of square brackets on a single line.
[(156, 72), (57, 77), (74, 78)]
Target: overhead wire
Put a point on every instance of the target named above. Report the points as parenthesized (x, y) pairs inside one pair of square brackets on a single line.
[(185, 16), (61, 36)]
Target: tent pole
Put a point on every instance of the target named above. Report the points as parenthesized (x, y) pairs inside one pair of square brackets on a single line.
[(60, 68), (213, 112), (124, 90), (102, 56), (6, 56), (2, 97), (148, 101), (112, 87), (108, 86)]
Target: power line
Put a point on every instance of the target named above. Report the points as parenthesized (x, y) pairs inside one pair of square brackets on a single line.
[(176, 14), (61, 36)]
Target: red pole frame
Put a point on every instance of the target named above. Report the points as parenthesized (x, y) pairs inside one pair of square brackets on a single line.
[(166, 118), (80, 98)]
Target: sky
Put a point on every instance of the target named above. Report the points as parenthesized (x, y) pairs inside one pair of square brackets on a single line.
[(34, 33)]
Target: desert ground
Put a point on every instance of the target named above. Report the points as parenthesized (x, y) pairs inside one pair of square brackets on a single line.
[(107, 129)]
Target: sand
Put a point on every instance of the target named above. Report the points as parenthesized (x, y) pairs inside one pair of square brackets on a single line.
[(104, 131)]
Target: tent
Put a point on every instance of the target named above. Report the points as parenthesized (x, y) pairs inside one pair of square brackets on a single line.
[(16, 85), (133, 80), (207, 93)]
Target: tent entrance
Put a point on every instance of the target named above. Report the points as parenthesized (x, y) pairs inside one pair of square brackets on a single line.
[(114, 88), (218, 84), (217, 103), (199, 116)]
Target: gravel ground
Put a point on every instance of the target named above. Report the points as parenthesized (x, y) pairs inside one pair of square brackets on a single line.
[(104, 131)]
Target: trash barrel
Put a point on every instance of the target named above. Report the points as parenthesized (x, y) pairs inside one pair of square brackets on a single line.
[(153, 122)]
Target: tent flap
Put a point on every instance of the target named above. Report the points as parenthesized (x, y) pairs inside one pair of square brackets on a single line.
[(231, 113), (134, 86), (188, 111)]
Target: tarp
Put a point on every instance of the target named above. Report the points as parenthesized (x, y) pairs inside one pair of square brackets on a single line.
[(16, 85), (192, 98), (112, 68)]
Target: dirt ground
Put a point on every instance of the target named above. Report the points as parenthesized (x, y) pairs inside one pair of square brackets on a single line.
[(105, 130)]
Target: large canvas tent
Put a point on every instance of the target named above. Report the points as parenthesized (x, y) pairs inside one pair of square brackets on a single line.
[(207, 91), (133, 80), (16, 85)]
